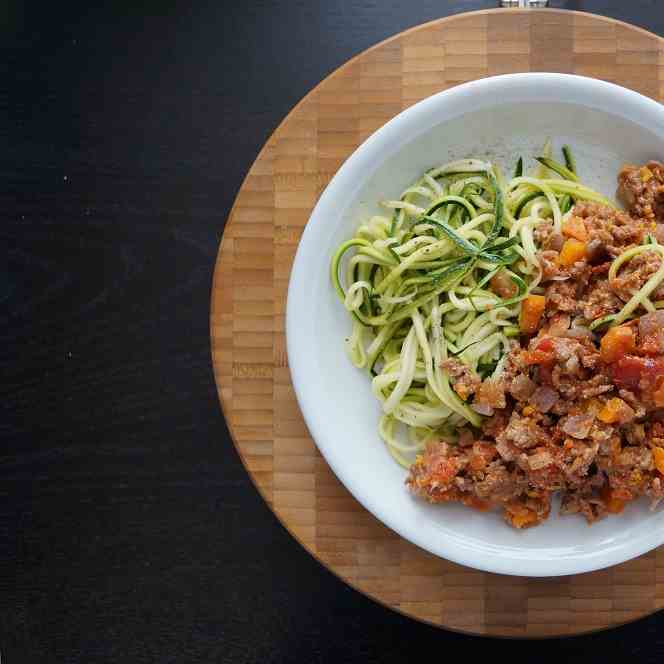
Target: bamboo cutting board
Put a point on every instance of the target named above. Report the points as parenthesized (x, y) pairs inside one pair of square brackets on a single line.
[(248, 307)]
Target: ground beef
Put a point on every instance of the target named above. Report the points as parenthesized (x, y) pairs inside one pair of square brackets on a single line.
[(613, 230), (601, 301), (490, 396), (598, 384), (542, 232), (547, 238), (592, 506), (634, 274), (642, 190), (635, 457), (464, 381), (635, 402), (508, 451), (577, 426), (572, 375), (562, 296), (651, 333), (635, 433), (562, 416), (544, 398), (548, 261), (583, 289), (655, 490), (522, 387), (499, 484)]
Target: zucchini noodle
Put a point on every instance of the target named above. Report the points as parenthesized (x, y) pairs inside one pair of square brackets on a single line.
[(420, 287), (642, 296)]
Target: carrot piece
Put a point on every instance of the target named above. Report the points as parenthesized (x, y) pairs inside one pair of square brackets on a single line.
[(572, 251), (576, 228), (615, 410), (658, 456), (532, 309), (616, 343), (613, 504)]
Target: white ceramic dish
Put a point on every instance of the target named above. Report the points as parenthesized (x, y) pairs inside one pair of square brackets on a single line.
[(497, 118)]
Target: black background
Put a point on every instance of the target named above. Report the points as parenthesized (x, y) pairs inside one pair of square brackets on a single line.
[(129, 531)]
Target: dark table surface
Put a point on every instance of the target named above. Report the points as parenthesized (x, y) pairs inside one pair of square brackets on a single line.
[(129, 531)]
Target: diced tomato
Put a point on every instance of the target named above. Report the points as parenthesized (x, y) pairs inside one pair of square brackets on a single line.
[(542, 353), (443, 470), (634, 372), (536, 357), (545, 344), (626, 372)]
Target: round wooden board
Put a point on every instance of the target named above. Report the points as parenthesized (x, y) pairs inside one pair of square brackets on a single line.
[(248, 307)]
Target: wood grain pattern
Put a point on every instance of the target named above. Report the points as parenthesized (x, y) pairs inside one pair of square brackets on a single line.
[(248, 307)]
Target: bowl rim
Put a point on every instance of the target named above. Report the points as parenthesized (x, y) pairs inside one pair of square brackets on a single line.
[(372, 149)]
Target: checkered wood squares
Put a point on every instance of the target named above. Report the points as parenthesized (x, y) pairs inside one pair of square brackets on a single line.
[(248, 307)]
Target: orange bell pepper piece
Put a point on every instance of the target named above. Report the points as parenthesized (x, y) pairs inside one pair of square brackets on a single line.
[(573, 250), (576, 228), (615, 410), (616, 343), (532, 309)]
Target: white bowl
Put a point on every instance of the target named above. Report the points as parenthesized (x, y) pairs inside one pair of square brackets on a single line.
[(498, 118)]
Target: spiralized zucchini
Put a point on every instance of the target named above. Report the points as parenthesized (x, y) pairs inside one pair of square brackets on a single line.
[(418, 286)]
